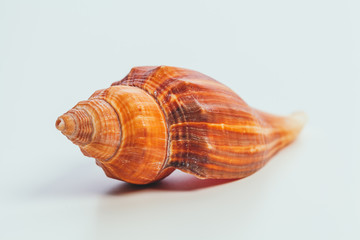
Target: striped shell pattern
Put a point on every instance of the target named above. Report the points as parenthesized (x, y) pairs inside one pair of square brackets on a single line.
[(158, 119)]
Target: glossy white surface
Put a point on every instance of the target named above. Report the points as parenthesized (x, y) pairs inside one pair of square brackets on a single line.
[(279, 56)]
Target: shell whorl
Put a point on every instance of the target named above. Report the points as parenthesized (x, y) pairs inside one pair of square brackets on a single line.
[(213, 133), (124, 129)]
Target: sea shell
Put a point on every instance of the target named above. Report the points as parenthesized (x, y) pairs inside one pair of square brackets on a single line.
[(158, 119)]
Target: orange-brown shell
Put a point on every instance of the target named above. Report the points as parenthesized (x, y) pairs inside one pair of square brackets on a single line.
[(178, 118)]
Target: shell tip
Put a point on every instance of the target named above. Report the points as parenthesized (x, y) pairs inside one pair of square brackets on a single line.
[(300, 118), (297, 121), (60, 124)]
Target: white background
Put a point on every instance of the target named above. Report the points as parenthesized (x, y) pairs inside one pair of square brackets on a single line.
[(279, 56)]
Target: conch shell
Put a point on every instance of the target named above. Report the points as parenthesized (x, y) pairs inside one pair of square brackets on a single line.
[(158, 119)]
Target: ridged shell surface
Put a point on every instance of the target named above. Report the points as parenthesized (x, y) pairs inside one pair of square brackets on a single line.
[(212, 132)]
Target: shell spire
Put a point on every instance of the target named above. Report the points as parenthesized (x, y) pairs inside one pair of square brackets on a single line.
[(158, 119), (93, 125), (77, 126)]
